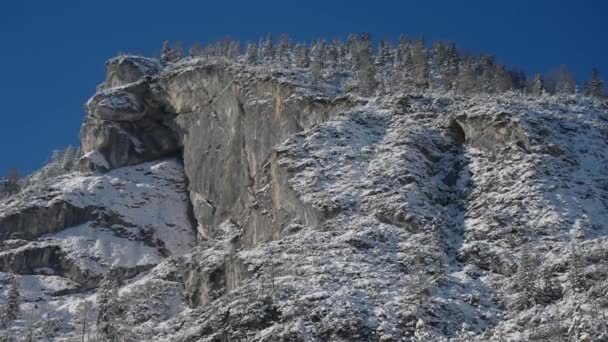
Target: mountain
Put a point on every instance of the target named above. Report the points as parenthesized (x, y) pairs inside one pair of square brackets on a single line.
[(222, 201)]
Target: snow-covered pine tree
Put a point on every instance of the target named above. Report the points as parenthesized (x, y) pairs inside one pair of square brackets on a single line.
[(266, 49), (420, 64), (170, 54), (301, 58), (233, 51), (575, 268), (251, 54), (364, 66), (594, 87), (11, 183), (165, 52), (12, 309), (84, 315), (444, 65), (109, 307), (502, 79), (284, 51), (384, 65), (317, 57), (352, 47), (538, 87), (566, 83), (466, 82), (526, 277), (486, 74), (196, 50)]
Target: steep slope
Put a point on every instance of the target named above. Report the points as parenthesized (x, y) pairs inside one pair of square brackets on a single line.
[(63, 236), (325, 217)]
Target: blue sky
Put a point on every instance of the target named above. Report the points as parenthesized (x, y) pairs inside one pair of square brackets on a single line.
[(53, 51)]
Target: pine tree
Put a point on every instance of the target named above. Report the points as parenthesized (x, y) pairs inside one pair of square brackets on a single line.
[(486, 72), (420, 64), (317, 52), (13, 304), (170, 54), (301, 56), (502, 79), (364, 66), (11, 184), (196, 50), (538, 87), (566, 83), (526, 277), (266, 50), (467, 80), (284, 50), (251, 56), (233, 51), (82, 319), (165, 52), (594, 87), (575, 268), (445, 65), (109, 307), (384, 64)]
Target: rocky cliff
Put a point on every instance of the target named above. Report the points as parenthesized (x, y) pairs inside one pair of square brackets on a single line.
[(320, 216)]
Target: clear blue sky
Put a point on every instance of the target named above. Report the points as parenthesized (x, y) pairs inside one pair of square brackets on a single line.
[(54, 51)]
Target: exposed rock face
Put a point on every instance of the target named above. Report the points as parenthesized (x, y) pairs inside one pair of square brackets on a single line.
[(127, 124), (123, 70), (228, 124)]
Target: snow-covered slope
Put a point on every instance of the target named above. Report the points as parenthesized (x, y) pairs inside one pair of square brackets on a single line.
[(128, 220), (321, 215)]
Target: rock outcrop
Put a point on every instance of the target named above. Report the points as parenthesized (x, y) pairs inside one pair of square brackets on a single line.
[(225, 123)]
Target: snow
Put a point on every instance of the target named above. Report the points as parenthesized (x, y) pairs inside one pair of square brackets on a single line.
[(151, 197)]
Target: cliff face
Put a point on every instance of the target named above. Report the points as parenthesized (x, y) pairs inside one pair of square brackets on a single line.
[(325, 217), (223, 121)]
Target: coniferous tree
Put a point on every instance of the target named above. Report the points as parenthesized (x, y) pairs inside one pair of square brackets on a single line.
[(364, 66), (266, 49), (82, 319), (284, 50), (526, 277), (301, 57), (109, 307), (538, 87), (467, 79), (165, 52), (486, 74), (11, 185), (13, 303), (352, 47), (502, 79), (384, 64), (420, 64), (233, 51), (318, 53), (170, 54), (594, 87), (520, 81), (196, 50), (445, 65), (575, 268), (251, 55), (565, 83)]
